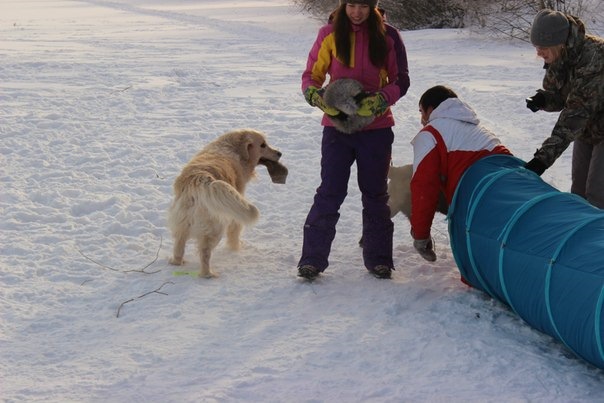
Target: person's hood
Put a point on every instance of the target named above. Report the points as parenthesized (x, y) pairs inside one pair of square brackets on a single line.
[(456, 109), (576, 37)]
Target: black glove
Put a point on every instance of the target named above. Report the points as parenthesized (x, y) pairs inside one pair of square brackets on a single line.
[(535, 102), (536, 166), (341, 116)]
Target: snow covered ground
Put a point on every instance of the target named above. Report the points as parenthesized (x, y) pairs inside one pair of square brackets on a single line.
[(101, 104)]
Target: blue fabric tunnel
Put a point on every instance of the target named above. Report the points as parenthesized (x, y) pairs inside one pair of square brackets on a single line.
[(534, 248)]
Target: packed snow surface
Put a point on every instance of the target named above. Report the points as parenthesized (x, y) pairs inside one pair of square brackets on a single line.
[(103, 102)]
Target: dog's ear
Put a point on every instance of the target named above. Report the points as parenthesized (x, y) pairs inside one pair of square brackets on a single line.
[(249, 149), (246, 146)]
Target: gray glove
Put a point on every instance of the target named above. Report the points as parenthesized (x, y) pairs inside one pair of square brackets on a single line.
[(277, 171), (425, 247)]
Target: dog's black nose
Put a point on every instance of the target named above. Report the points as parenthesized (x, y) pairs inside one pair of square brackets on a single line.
[(279, 153)]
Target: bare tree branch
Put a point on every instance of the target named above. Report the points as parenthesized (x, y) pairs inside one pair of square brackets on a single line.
[(94, 261), (121, 89), (156, 291), (142, 270), (161, 239)]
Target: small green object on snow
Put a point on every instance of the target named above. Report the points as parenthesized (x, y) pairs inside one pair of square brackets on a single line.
[(185, 273)]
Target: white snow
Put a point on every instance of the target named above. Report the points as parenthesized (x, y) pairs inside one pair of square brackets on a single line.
[(103, 102)]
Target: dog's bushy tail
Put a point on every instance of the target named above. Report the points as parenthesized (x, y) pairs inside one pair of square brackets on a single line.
[(224, 201), (193, 202)]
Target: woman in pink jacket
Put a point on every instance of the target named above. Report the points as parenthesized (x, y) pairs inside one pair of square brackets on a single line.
[(356, 45)]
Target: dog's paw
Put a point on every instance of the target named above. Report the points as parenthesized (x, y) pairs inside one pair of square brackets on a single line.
[(234, 245), (209, 274), (176, 262)]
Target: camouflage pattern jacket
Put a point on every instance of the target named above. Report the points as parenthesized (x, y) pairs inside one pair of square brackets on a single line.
[(574, 85)]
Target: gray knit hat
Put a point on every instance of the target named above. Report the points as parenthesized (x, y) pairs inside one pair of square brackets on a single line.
[(370, 3), (550, 28)]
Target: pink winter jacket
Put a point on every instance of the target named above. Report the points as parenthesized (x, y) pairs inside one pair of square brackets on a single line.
[(392, 80)]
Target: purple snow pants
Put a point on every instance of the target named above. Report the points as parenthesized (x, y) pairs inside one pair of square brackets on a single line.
[(372, 152)]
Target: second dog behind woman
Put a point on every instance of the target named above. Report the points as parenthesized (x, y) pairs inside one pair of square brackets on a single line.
[(356, 45)]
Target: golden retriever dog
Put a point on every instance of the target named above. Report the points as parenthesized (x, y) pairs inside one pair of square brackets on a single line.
[(209, 194)]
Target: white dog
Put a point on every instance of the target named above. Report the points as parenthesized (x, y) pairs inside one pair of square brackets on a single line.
[(209, 194), (399, 192)]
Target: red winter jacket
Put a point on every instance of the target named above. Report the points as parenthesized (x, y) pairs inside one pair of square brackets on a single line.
[(451, 142)]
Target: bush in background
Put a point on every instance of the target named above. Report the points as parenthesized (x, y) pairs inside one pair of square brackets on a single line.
[(501, 18)]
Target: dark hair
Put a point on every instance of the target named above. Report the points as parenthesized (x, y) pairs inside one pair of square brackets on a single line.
[(378, 48), (435, 95)]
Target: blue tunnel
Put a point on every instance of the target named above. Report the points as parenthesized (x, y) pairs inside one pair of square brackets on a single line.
[(534, 248)]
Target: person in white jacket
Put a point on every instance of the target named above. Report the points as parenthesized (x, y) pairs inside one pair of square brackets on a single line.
[(451, 140)]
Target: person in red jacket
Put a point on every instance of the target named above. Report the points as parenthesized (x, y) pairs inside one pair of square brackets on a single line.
[(451, 140), (357, 45)]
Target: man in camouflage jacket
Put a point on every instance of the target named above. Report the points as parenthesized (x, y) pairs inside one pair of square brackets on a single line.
[(574, 85)]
